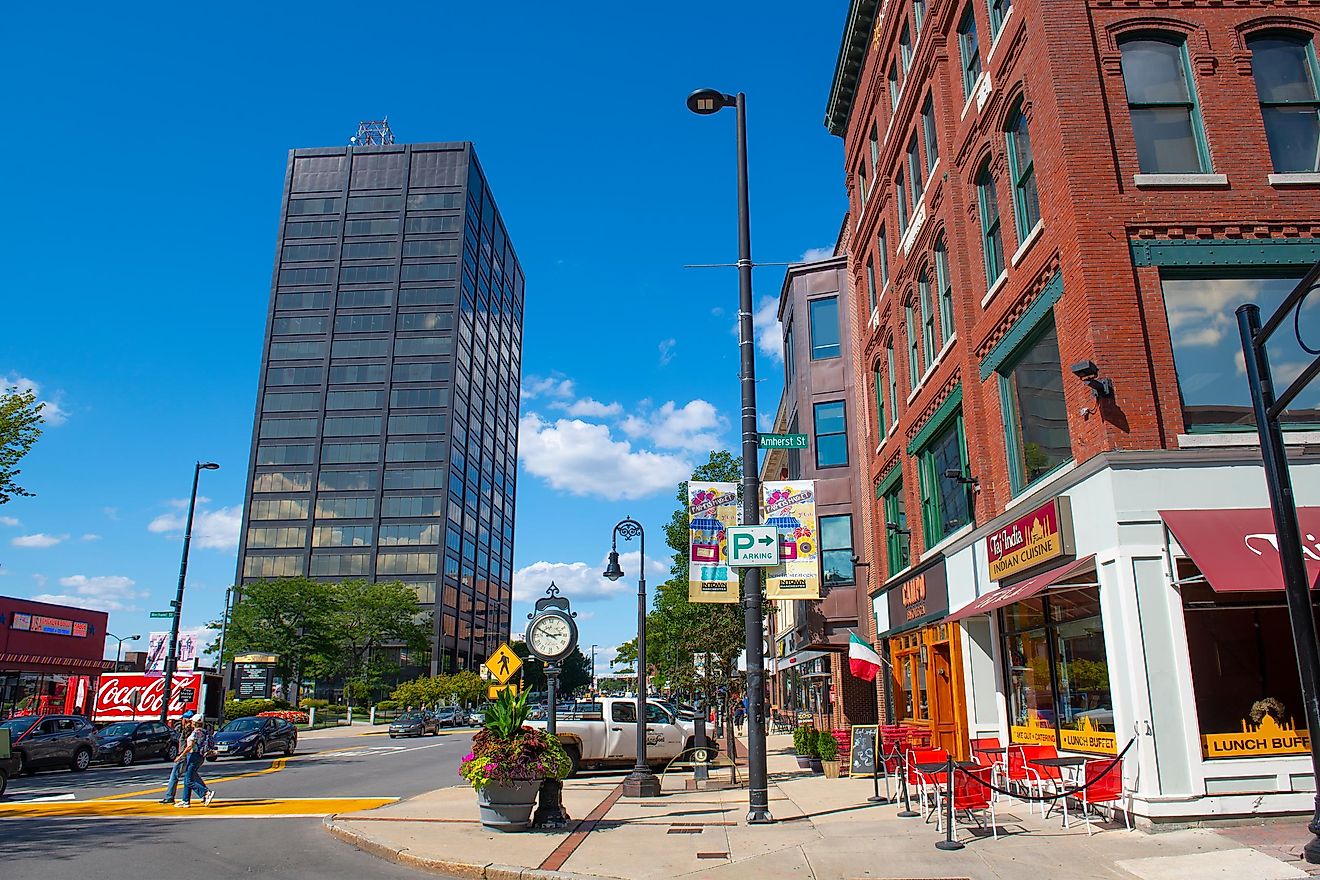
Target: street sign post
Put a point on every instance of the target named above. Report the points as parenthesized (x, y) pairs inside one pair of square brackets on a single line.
[(165, 614), (783, 441), (504, 664), (753, 546)]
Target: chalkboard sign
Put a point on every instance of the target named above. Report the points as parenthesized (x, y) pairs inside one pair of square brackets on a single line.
[(864, 743)]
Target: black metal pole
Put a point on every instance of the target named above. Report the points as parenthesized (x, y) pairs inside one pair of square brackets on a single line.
[(550, 812), (641, 782), (177, 605), (875, 772), (949, 842), (1284, 508), (907, 812)]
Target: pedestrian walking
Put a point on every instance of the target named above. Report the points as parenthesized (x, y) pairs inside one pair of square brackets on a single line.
[(192, 756), (739, 716), (180, 732)]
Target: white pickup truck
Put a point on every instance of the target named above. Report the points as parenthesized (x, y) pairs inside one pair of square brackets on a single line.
[(604, 734)]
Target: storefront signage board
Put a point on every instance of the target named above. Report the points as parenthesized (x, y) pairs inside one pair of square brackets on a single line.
[(1267, 739), (712, 511), (1036, 537), (923, 596), (255, 681), (51, 626), (862, 752)]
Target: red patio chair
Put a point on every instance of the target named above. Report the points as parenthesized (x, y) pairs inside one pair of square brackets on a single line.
[(971, 794), (987, 749), (1103, 786), (927, 784), (1021, 775)]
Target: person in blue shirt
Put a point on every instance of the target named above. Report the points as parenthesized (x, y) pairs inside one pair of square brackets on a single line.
[(180, 738)]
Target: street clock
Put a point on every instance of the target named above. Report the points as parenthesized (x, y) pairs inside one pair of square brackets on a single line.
[(552, 633)]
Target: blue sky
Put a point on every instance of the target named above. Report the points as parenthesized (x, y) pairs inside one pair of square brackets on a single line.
[(142, 207)]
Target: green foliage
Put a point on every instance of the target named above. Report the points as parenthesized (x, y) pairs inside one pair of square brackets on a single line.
[(20, 426), (507, 714), (468, 688), (247, 708), (827, 747), (574, 673), (311, 703), (804, 739), (388, 706), (527, 754), (434, 690)]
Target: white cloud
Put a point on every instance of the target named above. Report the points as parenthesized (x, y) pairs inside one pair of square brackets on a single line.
[(216, 529), (584, 459), (589, 407), (8, 521), (811, 255), (39, 580), (717, 311), (102, 592), (90, 537), (695, 426), (40, 539), (580, 580), (51, 412), (667, 350), (182, 503), (546, 386), (765, 327), (111, 513)]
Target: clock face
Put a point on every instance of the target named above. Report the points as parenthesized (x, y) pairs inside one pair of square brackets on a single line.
[(550, 636)]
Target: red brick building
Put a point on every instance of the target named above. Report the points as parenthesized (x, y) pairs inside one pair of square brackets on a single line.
[(1055, 208)]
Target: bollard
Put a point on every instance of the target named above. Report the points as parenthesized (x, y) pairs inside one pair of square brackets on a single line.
[(948, 843), (700, 772), (311, 717), (350, 716), (373, 715)]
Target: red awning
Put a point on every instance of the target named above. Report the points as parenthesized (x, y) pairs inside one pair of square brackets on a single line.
[(1236, 549), (57, 663), (1021, 590)]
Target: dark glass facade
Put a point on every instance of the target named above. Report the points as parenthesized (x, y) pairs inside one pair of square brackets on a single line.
[(385, 439)]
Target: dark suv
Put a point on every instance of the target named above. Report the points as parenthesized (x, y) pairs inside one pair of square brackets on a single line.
[(51, 741), (127, 741)]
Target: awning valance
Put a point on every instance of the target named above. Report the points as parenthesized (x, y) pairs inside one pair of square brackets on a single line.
[(1236, 548), (1023, 589)]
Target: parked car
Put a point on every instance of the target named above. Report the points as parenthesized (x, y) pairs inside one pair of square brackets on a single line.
[(605, 734), (39, 741), (415, 724), (254, 737), (8, 763), (477, 717), (450, 718), (124, 742)]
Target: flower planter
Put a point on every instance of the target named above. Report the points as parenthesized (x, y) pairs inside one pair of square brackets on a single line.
[(508, 806), (831, 769), (804, 762), (816, 766)]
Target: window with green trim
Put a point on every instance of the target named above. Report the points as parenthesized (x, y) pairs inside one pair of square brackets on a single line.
[(970, 50), (946, 500), (1285, 69), (928, 310), (992, 239), (898, 543), (918, 14), (905, 49), (929, 131), (875, 145), (1022, 170), (1166, 120), (871, 300), (914, 344), (914, 171), (862, 189), (894, 86), (999, 10), (901, 201), (892, 376), (880, 424), (1207, 350), (1035, 414), (945, 284), (882, 245)]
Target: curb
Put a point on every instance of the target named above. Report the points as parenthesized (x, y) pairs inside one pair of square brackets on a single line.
[(467, 870)]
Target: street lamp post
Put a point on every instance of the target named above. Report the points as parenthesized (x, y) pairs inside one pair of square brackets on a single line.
[(593, 669), (171, 658), (705, 102), (641, 782), (224, 629), (119, 645)]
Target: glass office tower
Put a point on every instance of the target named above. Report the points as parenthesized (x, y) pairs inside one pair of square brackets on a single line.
[(385, 440)]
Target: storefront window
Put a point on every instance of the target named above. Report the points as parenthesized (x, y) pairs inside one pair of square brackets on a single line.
[(1244, 673), (1057, 670)]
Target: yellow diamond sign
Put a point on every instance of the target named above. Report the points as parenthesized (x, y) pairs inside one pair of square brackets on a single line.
[(504, 664)]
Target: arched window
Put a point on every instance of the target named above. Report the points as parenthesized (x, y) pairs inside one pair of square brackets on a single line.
[(992, 240), (928, 309), (881, 425), (891, 374), (914, 342), (969, 49), (1022, 169), (1284, 65), (1166, 121), (945, 284)]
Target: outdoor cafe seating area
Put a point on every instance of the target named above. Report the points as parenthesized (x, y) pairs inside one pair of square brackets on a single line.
[(999, 778)]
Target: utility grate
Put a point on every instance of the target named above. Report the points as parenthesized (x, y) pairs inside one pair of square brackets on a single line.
[(713, 855), (683, 831)]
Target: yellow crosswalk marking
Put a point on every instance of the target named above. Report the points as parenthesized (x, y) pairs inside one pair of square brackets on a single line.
[(233, 809)]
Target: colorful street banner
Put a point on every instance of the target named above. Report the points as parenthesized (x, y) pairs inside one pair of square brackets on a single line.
[(192, 642), (712, 509), (790, 507)]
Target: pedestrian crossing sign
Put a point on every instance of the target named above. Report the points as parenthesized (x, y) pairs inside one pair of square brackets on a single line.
[(504, 664), (493, 692)]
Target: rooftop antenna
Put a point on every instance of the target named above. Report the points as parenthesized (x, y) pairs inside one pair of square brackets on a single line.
[(373, 133)]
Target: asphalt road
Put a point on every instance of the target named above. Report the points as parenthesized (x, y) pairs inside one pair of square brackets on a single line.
[(105, 823)]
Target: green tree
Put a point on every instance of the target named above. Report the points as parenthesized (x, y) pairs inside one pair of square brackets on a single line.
[(574, 675), (289, 617), (468, 687), (20, 426), (365, 618)]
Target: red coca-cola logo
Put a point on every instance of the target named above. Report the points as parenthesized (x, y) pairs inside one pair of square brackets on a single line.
[(133, 696)]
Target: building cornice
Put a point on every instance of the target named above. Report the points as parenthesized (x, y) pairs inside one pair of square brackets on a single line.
[(848, 67)]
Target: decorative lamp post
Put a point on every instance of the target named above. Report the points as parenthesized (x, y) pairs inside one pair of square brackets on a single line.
[(552, 635), (171, 659), (704, 102), (641, 782)]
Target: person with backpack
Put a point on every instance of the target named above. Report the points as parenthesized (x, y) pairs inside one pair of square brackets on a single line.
[(193, 755), (180, 734)]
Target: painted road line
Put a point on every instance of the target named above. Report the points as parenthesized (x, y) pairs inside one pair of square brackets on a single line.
[(233, 809), (276, 766)]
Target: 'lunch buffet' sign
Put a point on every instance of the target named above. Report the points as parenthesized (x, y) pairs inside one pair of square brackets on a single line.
[(1033, 538)]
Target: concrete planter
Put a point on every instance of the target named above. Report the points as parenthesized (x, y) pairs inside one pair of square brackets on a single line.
[(804, 762), (508, 807), (831, 769)]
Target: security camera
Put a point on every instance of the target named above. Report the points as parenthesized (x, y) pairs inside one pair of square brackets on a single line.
[(1085, 370), (1088, 372)]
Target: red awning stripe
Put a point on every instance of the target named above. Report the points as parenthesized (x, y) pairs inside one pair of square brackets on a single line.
[(43, 660), (1236, 548), (1021, 590)]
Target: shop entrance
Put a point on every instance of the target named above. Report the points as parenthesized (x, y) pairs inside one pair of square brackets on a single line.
[(928, 688), (942, 713)]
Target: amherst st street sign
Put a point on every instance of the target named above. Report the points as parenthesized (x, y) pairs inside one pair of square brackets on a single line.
[(753, 546), (783, 441)]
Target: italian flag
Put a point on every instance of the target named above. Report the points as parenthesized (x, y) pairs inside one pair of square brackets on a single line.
[(863, 661)]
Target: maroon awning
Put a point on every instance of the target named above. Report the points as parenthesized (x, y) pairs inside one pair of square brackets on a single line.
[(1236, 549), (1021, 590), (57, 663)]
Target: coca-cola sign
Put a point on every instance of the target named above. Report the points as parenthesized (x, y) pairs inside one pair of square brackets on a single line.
[(137, 697)]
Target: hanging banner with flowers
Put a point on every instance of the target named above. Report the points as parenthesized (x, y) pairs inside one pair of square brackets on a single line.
[(790, 506), (712, 508)]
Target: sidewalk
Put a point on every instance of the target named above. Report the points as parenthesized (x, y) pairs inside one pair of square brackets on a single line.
[(824, 830)]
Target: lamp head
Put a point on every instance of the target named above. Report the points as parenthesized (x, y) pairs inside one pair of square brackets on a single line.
[(704, 102), (209, 466), (1085, 370), (134, 638), (612, 570)]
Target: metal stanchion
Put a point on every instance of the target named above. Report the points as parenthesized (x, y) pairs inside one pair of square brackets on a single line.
[(907, 812), (949, 842), (875, 780)]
